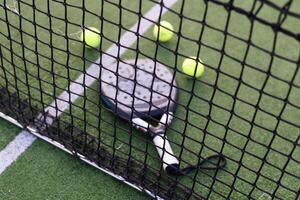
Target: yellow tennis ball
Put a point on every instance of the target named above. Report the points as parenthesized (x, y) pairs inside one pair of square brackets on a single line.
[(91, 37), (190, 67), (164, 32)]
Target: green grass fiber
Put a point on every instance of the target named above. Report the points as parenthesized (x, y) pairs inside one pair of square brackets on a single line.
[(246, 84), (44, 172), (7, 133)]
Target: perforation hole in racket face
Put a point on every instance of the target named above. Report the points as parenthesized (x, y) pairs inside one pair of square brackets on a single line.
[(139, 88)]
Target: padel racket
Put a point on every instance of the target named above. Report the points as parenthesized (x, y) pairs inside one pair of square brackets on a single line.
[(139, 90)]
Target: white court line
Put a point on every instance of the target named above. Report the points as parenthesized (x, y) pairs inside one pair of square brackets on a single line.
[(16, 147)]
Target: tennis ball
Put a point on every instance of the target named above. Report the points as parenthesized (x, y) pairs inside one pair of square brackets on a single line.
[(91, 37), (189, 66), (164, 32)]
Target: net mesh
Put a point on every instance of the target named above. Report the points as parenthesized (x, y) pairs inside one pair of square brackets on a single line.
[(245, 106)]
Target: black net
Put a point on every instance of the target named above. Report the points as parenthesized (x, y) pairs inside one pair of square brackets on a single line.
[(245, 107)]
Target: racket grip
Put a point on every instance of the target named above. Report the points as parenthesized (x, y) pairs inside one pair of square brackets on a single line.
[(165, 151)]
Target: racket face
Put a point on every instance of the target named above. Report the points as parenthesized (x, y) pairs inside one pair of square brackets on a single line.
[(143, 89)]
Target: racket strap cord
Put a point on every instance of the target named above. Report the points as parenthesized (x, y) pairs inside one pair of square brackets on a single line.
[(214, 162)]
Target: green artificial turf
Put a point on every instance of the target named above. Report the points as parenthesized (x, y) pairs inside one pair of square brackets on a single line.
[(45, 172), (7, 133), (59, 59), (232, 107), (234, 128)]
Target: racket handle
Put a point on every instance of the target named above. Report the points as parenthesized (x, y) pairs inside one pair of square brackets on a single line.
[(170, 162), (165, 151)]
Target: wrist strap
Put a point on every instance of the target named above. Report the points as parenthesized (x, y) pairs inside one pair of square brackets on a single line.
[(213, 162)]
